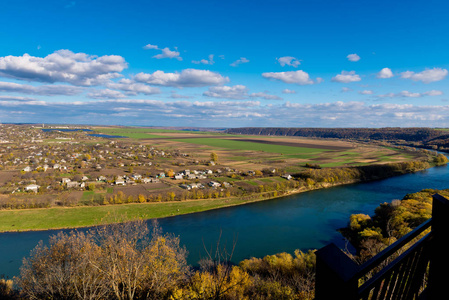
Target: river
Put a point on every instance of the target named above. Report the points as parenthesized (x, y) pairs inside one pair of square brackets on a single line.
[(303, 221)]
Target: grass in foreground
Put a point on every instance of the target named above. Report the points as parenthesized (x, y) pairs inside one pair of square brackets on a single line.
[(56, 218)]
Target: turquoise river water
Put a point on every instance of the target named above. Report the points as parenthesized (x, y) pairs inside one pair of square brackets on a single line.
[(303, 221)]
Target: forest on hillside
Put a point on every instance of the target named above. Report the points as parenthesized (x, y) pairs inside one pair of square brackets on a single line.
[(385, 134)]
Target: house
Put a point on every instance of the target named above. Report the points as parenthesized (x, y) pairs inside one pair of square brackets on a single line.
[(85, 178), (179, 176), (72, 184), (136, 176), (185, 186), (102, 178), (32, 188), (65, 180), (287, 176), (27, 169), (146, 180), (195, 185), (214, 184), (119, 181)]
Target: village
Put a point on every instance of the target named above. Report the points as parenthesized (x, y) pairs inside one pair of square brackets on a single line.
[(71, 164)]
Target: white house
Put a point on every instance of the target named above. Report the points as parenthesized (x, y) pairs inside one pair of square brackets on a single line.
[(119, 181), (32, 188), (65, 180), (214, 184), (27, 169)]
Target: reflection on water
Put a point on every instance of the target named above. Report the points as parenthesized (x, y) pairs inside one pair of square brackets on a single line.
[(303, 221)]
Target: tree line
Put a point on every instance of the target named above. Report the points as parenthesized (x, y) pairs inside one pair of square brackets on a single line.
[(389, 133)]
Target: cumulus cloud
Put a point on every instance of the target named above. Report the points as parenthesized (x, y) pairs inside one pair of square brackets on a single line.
[(296, 77), (236, 92), (15, 98), (44, 90), (409, 94), (63, 66), (150, 46), (105, 94), (346, 77), (209, 61), (185, 78), (165, 52), (366, 92), (289, 61), (288, 91), (265, 96), (353, 57), (385, 73), (240, 61), (426, 76), (223, 113), (133, 88)]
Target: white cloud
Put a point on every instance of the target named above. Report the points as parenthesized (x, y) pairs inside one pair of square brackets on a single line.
[(149, 46), (186, 78), (105, 94), (226, 113), (242, 60), (346, 89), (385, 73), (297, 77), (353, 57), (63, 66), (209, 61), (409, 94), (175, 95), (236, 92), (426, 76), (265, 96), (165, 52), (433, 93), (346, 77), (133, 88), (15, 98), (366, 92), (45, 90), (289, 61), (288, 91)]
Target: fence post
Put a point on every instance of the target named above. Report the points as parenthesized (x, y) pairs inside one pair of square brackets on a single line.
[(335, 274), (439, 252)]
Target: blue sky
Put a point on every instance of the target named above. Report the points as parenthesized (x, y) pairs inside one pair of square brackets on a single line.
[(207, 63)]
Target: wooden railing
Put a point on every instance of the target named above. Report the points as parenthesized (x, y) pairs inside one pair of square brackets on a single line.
[(420, 272)]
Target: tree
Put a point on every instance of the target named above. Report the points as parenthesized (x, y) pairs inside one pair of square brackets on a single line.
[(118, 261), (214, 157)]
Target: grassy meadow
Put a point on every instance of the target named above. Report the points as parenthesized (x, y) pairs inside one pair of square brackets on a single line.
[(84, 216)]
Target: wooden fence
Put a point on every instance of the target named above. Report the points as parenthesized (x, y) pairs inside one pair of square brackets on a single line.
[(419, 272)]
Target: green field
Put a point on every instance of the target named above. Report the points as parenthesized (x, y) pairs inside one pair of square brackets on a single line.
[(133, 133), (251, 146), (53, 218)]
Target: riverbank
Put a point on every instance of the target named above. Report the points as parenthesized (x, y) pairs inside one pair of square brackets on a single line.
[(86, 216)]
